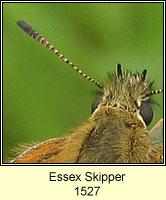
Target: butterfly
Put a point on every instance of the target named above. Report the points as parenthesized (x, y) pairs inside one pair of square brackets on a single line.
[(116, 132)]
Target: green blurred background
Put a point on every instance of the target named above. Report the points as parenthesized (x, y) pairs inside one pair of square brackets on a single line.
[(43, 97)]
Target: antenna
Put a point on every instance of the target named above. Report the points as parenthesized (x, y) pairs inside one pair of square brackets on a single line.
[(32, 32), (156, 92), (143, 75), (119, 70)]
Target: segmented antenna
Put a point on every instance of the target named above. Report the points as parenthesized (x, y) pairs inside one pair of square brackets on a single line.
[(32, 32), (155, 92), (143, 75)]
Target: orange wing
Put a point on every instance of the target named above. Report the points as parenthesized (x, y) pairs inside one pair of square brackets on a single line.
[(57, 150)]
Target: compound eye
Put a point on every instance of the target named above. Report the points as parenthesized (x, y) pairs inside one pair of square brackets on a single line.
[(95, 103), (146, 112)]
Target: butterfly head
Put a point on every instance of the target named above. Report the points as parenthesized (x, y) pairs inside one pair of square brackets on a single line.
[(129, 92)]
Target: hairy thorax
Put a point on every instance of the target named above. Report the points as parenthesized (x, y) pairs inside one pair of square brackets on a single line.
[(119, 137)]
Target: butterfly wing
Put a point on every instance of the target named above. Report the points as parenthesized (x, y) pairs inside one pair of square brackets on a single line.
[(57, 150), (156, 134), (43, 152), (156, 137)]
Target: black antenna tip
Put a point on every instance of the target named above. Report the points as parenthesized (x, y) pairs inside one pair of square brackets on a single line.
[(143, 75), (119, 70), (26, 27)]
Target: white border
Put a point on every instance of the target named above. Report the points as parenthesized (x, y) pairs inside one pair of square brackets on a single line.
[(74, 164)]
